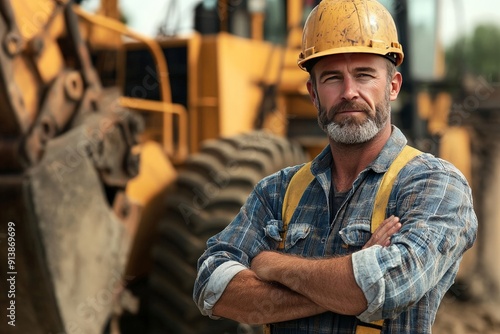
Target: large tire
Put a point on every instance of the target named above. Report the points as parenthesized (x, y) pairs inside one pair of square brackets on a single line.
[(208, 193)]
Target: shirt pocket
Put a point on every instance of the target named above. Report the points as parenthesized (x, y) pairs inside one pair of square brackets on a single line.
[(293, 237), (356, 233), (272, 232), (296, 235)]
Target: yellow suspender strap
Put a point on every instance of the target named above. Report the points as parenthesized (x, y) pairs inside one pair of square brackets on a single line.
[(385, 188), (303, 178), (298, 183), (374, 327)]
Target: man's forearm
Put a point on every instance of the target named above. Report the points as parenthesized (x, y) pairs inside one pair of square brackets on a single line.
[(329, 283), (248, 299)]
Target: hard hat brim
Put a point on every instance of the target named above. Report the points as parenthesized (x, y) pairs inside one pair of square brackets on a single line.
[(347, 50)]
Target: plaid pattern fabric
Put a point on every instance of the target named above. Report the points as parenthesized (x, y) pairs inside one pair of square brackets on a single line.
[(403, 283)]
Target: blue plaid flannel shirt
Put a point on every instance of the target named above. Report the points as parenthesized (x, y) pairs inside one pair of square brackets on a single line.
[(403, 283)]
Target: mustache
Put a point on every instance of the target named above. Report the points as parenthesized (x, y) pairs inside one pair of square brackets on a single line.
[(349, 105)]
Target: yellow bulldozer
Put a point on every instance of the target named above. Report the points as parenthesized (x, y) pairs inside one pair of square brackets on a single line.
[(121, 154), (87, 162)]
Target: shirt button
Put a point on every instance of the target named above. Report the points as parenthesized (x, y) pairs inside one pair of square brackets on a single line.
[(323, 240)]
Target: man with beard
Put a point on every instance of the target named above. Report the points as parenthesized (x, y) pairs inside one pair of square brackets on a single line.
[(318, 268)]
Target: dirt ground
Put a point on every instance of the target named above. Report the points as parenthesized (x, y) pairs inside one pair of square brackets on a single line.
[(456, 317)]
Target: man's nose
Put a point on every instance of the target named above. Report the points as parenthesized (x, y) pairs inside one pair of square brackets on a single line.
[(350, 89)]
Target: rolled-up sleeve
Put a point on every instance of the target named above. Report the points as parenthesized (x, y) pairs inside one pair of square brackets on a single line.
[(369, 277), (220, 278), (439, 225), (232, 250)]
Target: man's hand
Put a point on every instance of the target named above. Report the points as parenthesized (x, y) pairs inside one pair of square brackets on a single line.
[(384, 232), (328, 282)]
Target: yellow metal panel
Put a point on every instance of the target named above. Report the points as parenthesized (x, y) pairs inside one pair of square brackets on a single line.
[(147, 191), (455, 147), (300, 105), (369, 330), (50, 61), (434, 110), (243, 64), (58, 25), (277, 122), (258, 26), (26, 85), (207, 100), (295, 12), (32, 16), (424, 105), (155, 173), (102, 38), (294, 15), (194, 53), (292, 78), (438, 121)]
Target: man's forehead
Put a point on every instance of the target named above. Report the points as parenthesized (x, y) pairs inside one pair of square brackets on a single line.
[(351, 60)]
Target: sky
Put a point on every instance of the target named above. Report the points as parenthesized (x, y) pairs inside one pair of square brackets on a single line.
[(457, 16), (464, 15), (145, 16)]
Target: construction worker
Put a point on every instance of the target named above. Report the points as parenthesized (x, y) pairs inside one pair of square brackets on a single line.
[(309, 260)]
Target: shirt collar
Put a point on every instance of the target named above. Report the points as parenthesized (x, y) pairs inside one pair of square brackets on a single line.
[(382, 162), (392, 148)]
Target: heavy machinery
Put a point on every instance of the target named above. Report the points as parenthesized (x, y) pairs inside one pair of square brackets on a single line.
[(111, 242), (71, 143), (224, 96), (66, 158)]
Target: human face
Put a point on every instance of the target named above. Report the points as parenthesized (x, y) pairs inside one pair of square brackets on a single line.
[(352, 93)]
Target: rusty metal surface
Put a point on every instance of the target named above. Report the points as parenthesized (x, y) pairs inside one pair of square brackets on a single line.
[(35, 111), (14, 118), (72, 246), (65, 159), (85, 243)]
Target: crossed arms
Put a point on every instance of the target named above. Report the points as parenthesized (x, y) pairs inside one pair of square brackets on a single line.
[(280, 287)]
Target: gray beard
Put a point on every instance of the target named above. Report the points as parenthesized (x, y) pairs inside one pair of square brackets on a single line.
[(349, 132), (353, 133)]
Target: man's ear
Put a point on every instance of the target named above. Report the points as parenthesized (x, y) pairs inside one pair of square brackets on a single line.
[(312, 92), (396, 82)]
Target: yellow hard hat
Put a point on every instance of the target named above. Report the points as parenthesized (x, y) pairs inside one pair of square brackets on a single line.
[(349, 26)]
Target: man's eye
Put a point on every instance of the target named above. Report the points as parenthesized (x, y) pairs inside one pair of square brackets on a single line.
[(364, 75)]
